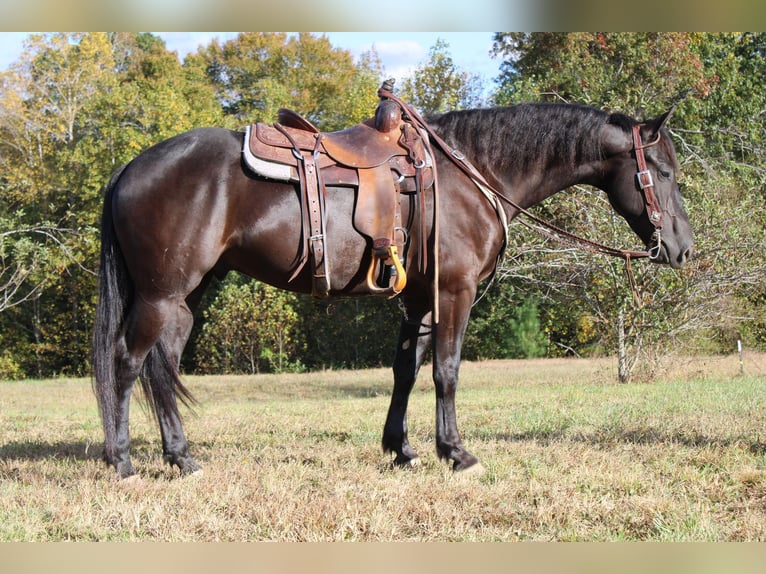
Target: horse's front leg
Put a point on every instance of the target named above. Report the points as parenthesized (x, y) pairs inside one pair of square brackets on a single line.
[(455, 308), (414, 338)]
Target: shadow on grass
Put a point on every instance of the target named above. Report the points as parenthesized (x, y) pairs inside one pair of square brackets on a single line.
[(636, 436), (70, 450)]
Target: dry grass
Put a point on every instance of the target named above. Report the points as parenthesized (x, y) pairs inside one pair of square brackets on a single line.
[(569, 456)]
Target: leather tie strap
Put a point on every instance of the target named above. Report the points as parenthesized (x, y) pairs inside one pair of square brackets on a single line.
[(313, 213)]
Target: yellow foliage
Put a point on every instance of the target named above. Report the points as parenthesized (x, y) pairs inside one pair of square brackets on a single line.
[(586, 329)]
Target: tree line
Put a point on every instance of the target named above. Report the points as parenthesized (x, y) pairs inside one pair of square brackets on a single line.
[(77, 106)]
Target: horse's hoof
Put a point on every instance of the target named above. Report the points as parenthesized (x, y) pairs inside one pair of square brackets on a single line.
[(124, 470), (186, 464), (406, 462)]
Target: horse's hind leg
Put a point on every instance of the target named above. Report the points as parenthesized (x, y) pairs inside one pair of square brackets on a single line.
[(127, 367), (148, 348), (143, 326), (414, 337), (164, 380)]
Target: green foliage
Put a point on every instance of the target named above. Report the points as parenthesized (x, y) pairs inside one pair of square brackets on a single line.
[(77, 106), (505, 326), (250, 328), (259, 72), (9, 367), (632, 73), (438, 85), (349, 333)]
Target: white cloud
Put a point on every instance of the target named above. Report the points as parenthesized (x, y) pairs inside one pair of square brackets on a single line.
[(400, 58)]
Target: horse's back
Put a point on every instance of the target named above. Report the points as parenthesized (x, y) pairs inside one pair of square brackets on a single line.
[(193, 151)]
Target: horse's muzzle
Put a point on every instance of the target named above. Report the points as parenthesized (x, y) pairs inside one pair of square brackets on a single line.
[(661, 252)]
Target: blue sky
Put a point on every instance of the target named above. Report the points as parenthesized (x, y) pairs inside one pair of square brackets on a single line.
[(400, 52)]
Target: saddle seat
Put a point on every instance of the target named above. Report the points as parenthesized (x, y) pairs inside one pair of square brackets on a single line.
[(379, 158), (362, 146)]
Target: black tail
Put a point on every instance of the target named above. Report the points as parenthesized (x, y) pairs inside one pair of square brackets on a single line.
[(161, 384), (159, 377), (114, 292)]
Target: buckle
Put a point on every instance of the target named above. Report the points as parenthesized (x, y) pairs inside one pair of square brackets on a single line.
[(644, 183)]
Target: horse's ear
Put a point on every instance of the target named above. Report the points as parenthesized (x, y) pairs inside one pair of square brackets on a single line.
[(616, 138), (663, 119), (659, 122)]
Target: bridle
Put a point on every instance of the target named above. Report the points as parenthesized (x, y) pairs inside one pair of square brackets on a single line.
[(643, 177), (646, 185)]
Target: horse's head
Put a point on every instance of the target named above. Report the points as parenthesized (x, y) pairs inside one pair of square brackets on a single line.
[(641, 185)]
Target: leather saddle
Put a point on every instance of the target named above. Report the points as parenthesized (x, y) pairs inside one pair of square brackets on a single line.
[(379, 159)]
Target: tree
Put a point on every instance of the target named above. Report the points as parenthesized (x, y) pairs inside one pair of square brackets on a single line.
[(720, 157), (501, 327), (50, 93), (630, 72), (351, 333), (259, 72), (438, 85), (74, 108), (361, 98)]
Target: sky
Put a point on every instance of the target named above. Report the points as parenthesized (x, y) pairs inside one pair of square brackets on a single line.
[(400, 52)]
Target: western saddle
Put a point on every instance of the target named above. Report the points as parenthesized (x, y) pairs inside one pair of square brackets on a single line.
[(381, 158)]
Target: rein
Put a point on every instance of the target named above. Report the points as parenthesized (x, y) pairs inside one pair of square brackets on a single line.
[(547, 229)]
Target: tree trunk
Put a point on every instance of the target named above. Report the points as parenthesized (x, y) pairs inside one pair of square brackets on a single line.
[(623, 364)]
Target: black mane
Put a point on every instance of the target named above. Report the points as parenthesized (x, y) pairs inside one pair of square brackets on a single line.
[(515, 137)]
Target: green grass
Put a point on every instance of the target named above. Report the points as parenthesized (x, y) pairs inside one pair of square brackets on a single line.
[(569, 455)]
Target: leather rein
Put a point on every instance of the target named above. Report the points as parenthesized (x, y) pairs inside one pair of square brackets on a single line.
[(645, 184), (643, 177)]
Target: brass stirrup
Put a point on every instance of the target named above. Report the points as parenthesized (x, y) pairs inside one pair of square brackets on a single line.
[(401, 276)]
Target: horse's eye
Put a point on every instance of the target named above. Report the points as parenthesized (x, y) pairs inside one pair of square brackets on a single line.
[(665, 174)]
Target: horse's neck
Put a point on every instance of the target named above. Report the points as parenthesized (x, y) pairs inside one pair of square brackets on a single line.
[(538, 180), (530, 172)]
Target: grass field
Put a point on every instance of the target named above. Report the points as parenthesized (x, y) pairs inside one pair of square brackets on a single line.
[(569, 455)]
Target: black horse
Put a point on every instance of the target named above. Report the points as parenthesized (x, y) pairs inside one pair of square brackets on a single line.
[(187, 210)]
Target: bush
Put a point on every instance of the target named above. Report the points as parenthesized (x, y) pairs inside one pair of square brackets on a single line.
[(249, 328)]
